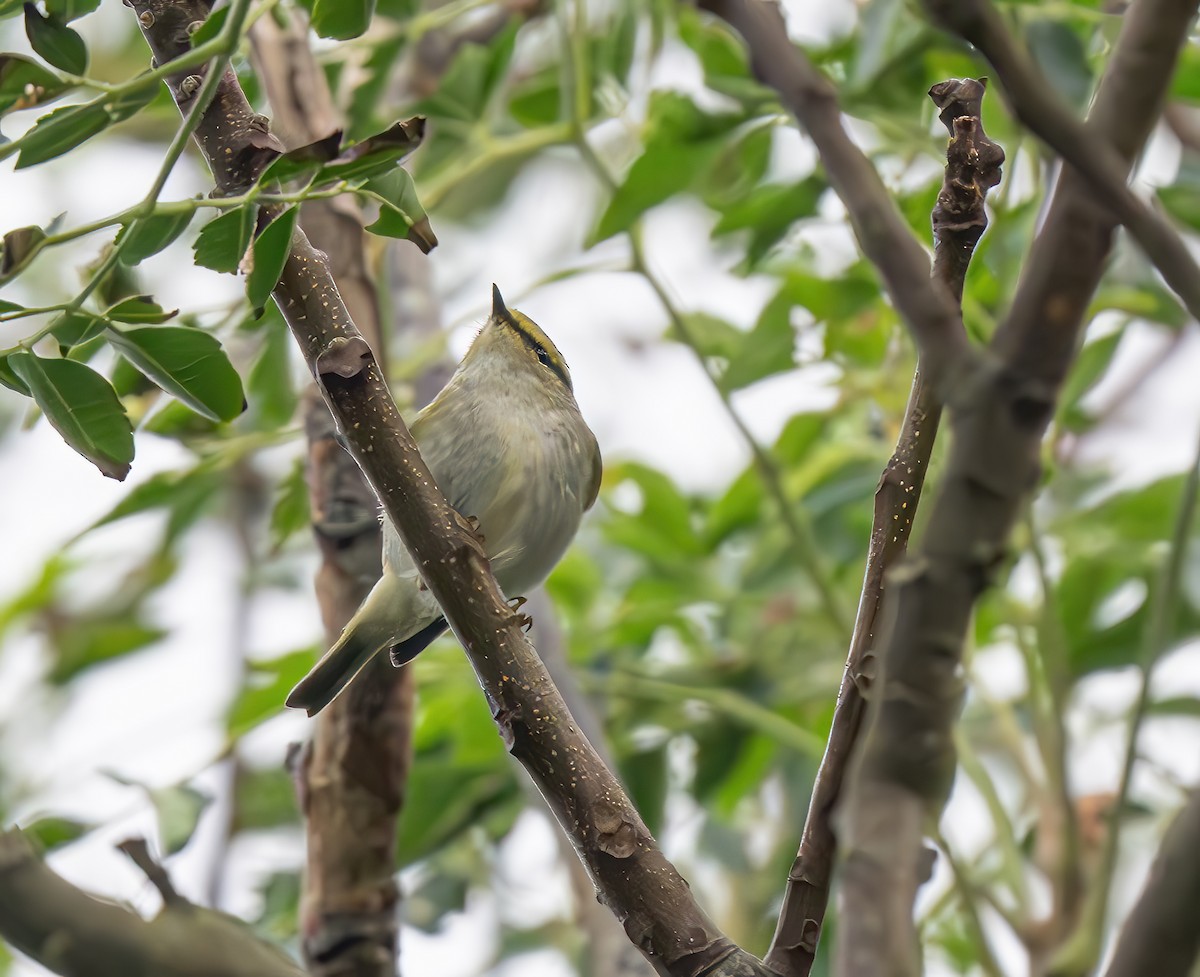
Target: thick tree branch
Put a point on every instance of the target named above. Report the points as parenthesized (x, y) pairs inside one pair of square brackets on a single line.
[(70, 932), (959, 219), (1036, 104), (1066, 261), (908, 757), (1160, 935), (351, 777), (882, 233), (635, 880)]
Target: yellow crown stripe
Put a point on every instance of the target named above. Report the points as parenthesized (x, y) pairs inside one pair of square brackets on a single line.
[(533, 337)]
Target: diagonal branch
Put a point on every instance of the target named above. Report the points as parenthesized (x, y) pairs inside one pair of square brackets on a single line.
[(634, 878), (884, 237), (1043, 111), (959, 219), (71, 932)]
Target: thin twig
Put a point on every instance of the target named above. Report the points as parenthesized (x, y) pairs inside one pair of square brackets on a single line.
[(1035, 102), (959, 219)]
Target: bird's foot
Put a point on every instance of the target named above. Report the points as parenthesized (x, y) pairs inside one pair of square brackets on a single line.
[(470, 526), (524, 620)]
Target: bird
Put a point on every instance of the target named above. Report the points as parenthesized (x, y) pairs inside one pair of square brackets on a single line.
[(506, 443)]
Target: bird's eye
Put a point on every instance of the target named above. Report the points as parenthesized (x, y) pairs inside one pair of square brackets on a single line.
[(542, 355)]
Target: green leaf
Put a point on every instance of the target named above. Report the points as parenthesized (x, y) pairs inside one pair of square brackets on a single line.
[(446, 797), (11, 380), (291, 512), (51, 833), (712, 336), (304, 160), (681, 142), (644, 773), (375, 154), (1060, 54), (223, 240), (68, 10), (1090, 365), (82, 407), (211, 27), (264, 798), (267, 685), (139, 309), (178, 809), (75, 328), (61, 131), (92, 640), (740, 507), (272, 392), (149, 235), (55, 41), (188, 364), (767, 212), (179, 422), (537, 99), (1185, 84), (128, 103), (19, 248), (342, 19), (400, 212), (768, 349), (472, 80), (664, 523), (184, 494), (721, 55), (24, 83), (268, 255)]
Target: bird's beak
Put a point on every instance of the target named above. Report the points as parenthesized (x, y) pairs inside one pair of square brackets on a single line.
[(499, 311)]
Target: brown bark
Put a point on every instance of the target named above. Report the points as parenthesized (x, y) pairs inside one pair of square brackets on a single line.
[(351, 776), (959, 219), (999, 416), (635, 879), (71, 932)]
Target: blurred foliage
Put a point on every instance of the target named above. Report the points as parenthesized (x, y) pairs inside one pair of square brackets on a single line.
[(707, 629)]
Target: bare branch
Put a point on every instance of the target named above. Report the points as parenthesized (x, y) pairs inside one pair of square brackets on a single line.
[(908, 757), (351, 778), (71, 932), (1160, 936), (635, 880), (1042, 110), (959, 219), (882, 233)]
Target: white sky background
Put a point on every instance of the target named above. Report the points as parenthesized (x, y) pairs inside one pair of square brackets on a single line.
[(157, 716)]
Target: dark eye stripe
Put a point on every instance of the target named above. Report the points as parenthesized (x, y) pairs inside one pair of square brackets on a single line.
[(544, 356)]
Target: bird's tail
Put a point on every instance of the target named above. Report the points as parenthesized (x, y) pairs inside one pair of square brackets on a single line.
[(377, 624)]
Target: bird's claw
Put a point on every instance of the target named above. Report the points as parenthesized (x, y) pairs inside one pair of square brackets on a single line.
[(470, 525), (522, 620)]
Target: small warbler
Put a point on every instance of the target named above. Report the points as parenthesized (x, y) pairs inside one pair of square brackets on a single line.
[(506, 444)]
